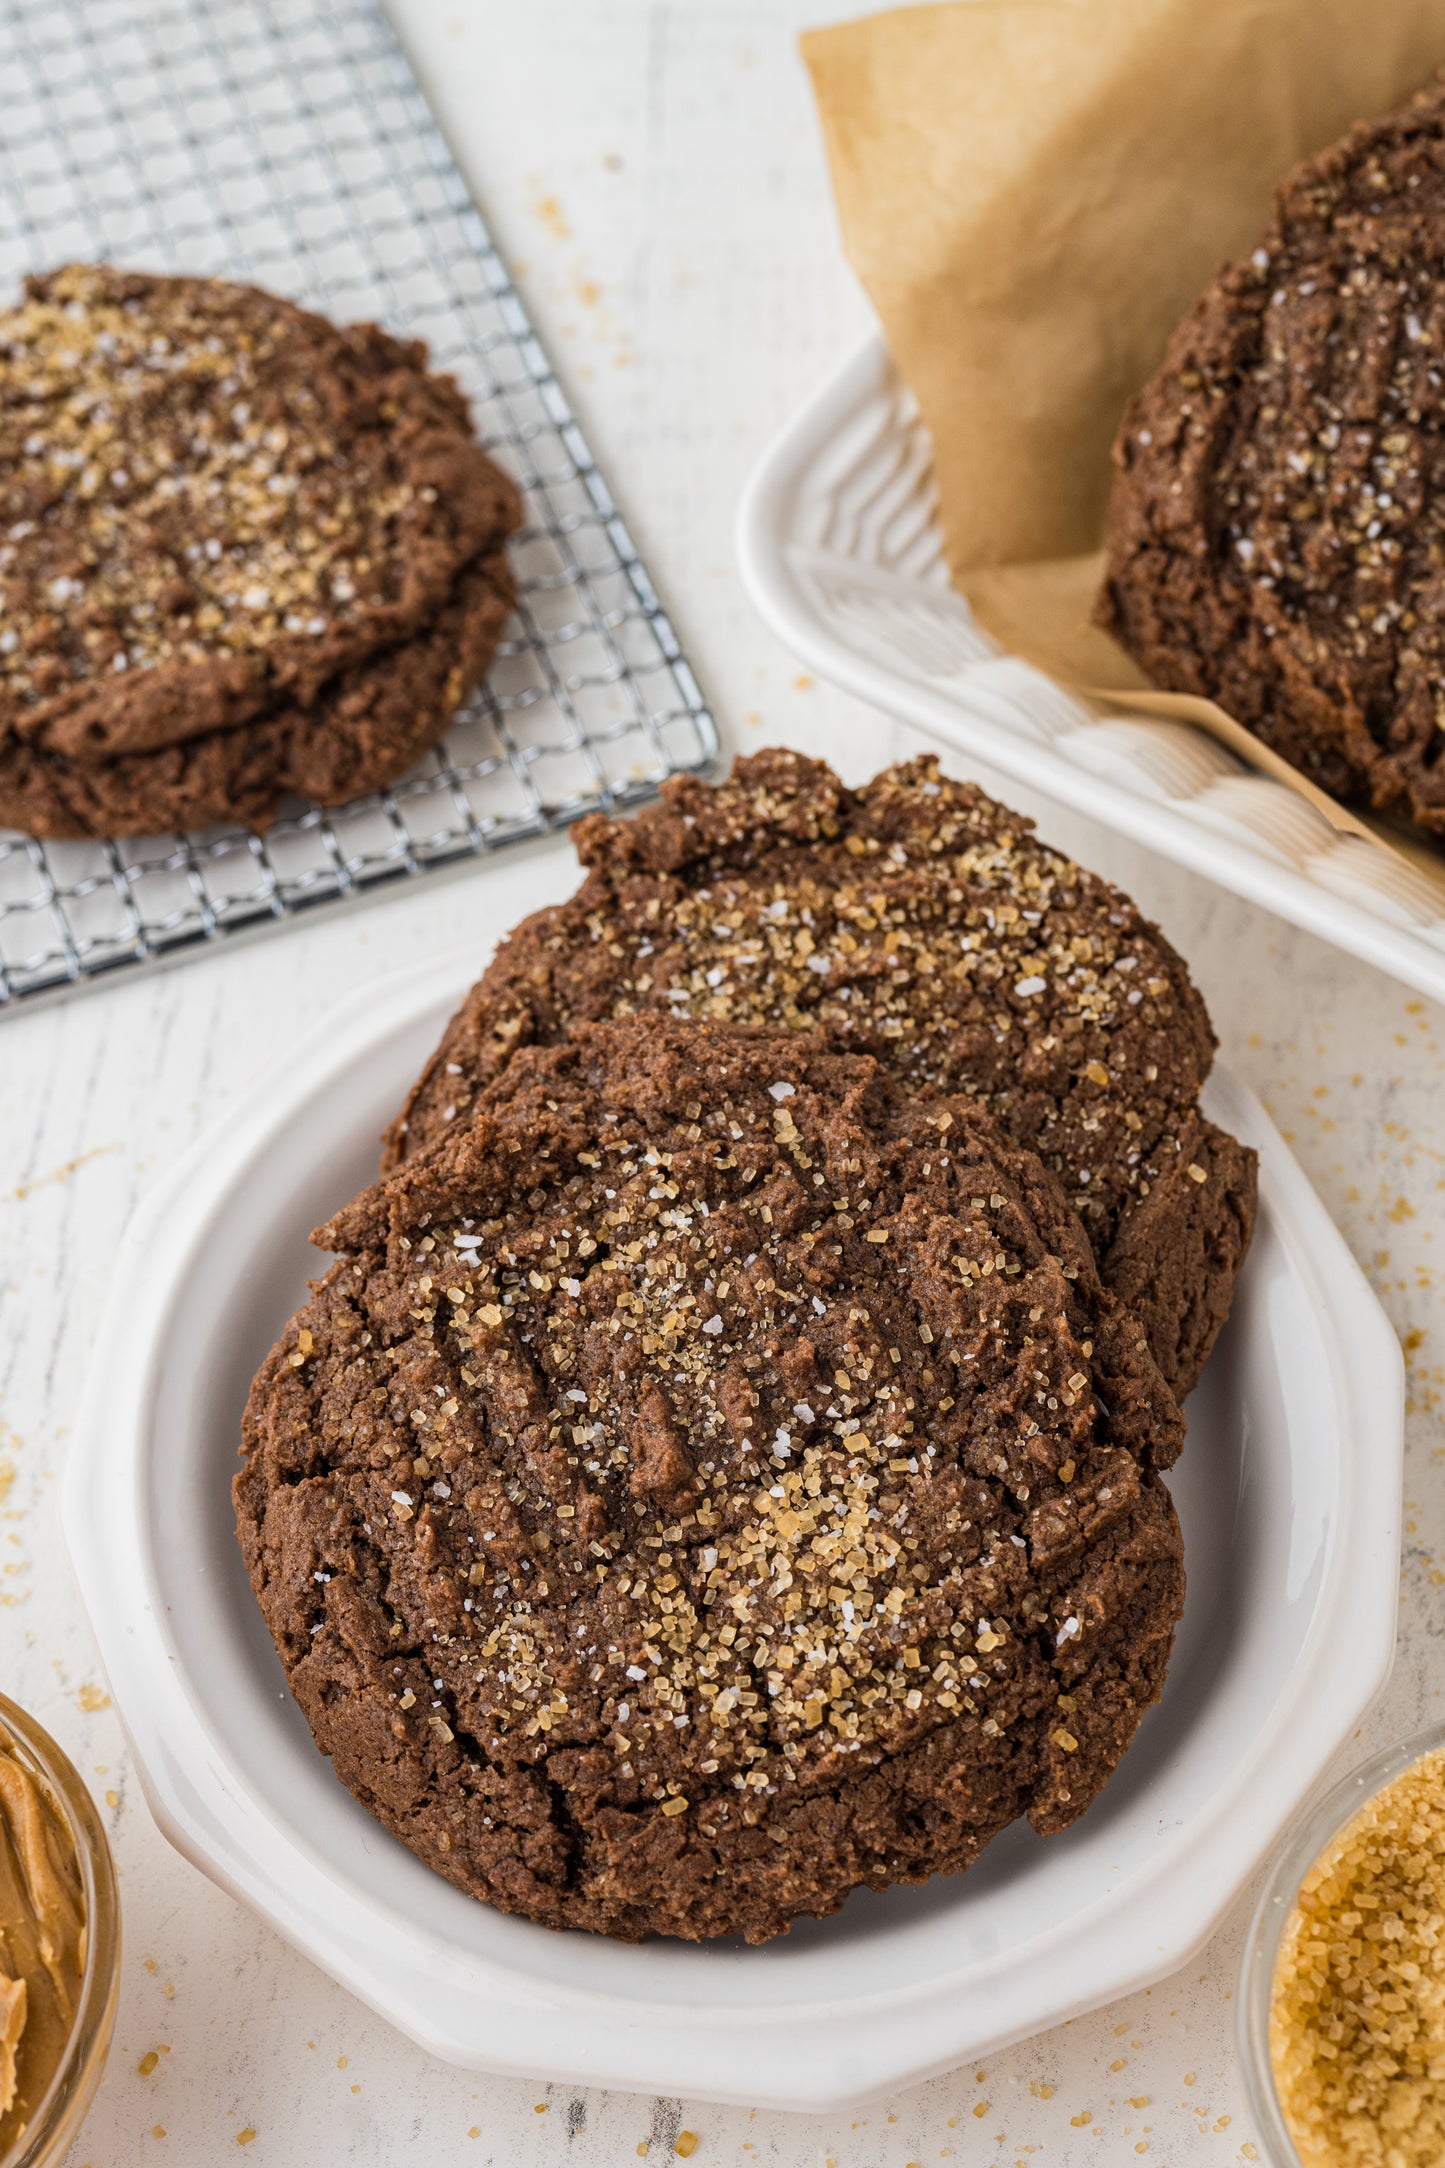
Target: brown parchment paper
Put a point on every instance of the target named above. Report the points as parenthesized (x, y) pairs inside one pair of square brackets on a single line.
[(1033, 192)]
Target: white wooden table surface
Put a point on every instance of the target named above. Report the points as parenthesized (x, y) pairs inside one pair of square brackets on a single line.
[(652, 170)]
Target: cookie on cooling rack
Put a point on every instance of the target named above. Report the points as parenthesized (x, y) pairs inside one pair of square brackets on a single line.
[(244, 550), (710, 1480), (363, 729), (1276, 527), (917, 920)]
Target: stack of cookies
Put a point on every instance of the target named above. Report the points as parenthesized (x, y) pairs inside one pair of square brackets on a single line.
[(243, 551), (723, 1466)]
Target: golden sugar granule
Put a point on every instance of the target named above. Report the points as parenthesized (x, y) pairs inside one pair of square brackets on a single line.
[(1357, 2017)]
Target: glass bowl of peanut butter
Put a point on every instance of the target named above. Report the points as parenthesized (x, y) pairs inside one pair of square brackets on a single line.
[(59, 1945)]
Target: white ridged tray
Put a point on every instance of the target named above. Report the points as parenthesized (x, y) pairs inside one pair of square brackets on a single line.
[(841, 552)]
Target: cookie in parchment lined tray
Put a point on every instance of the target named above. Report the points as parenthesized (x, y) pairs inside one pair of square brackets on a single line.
[(1274, 535)]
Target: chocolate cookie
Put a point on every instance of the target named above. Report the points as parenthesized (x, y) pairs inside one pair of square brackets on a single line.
[(1278, 515), (214, 499), (362, 730), (712, 1479), (917, 920), (218, 512)]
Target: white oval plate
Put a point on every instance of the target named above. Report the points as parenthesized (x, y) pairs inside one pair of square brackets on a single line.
[(1288, 1492), (842, 554)]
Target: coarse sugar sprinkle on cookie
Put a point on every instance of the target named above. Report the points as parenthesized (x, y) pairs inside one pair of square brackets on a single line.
[(191, 470), (709, 1481), (917, 920)]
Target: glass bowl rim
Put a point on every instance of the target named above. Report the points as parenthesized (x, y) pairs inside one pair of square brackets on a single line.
[(1296, 1854)]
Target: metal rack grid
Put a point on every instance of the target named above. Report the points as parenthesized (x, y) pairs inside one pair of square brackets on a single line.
[(287, 142)]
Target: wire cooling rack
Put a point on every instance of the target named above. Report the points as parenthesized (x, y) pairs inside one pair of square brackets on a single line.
[(287, 142)]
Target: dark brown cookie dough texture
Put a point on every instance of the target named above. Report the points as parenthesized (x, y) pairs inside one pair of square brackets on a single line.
[(710, 1480), (918, 921), (1277, 527), (242, 551)]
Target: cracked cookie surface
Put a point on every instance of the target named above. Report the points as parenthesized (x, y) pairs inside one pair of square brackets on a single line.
[(710, 1480), (917, 920)]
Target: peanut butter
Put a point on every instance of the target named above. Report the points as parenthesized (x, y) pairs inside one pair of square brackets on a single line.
[(42, 1940)]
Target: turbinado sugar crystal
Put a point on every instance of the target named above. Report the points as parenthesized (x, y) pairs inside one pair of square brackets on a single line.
[(1357, 2016)]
